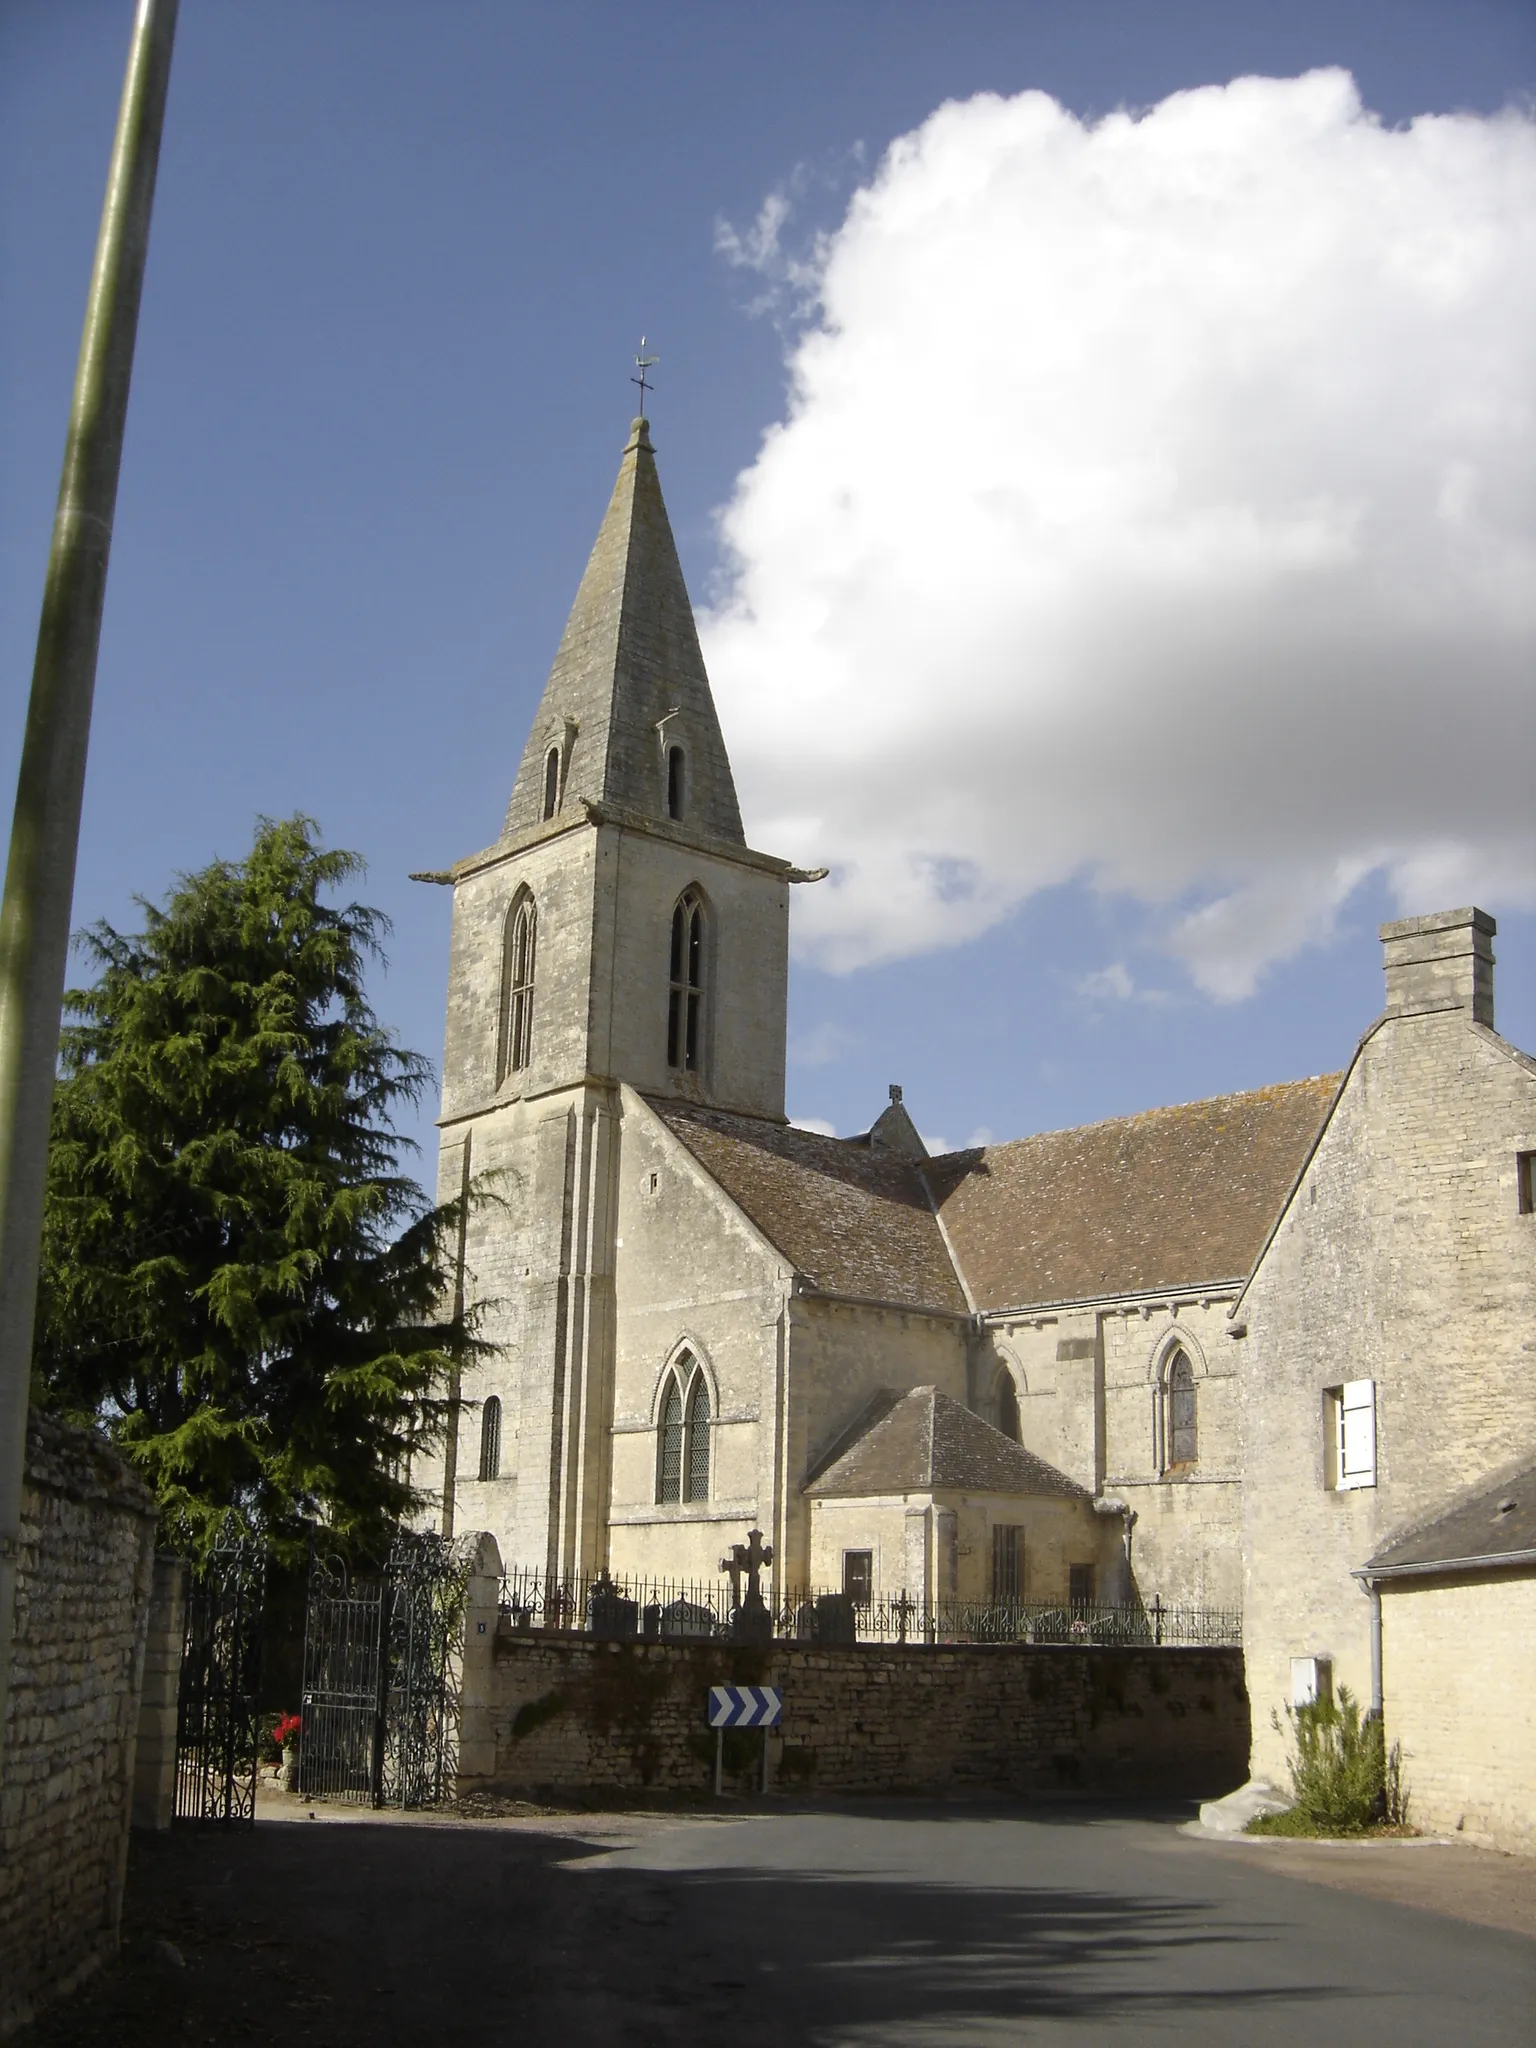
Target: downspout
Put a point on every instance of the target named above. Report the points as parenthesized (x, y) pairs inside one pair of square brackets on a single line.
[(1372, 1591)]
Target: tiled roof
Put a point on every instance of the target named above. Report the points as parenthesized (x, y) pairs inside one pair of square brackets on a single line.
[(1173, 1197), (924, 1442), (1499, 1522), (854, 1219)]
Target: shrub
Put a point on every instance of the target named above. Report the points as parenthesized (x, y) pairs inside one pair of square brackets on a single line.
[(1343, 1779)]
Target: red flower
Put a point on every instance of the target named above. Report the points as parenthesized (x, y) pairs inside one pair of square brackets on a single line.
[(287, 1730)]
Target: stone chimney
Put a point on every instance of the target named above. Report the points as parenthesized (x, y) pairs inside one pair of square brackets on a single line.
[(1440, 962)]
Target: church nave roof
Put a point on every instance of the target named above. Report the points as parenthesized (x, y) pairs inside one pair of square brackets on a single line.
[(854, 1219), (1174, 1197), (1169, 1198)]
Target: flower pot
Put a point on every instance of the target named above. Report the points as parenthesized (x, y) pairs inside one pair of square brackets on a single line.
[(289, 1776)]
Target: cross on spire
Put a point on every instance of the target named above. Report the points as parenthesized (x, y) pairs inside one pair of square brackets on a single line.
[(643, 362)]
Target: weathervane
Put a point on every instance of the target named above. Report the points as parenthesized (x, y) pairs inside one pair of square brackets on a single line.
[(643, 362)]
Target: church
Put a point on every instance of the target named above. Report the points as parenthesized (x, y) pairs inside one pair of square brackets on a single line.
[(1029, 1371), (999, 1372)]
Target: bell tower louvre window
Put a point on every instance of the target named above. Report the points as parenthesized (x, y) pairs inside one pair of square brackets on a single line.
[(685, 1003)]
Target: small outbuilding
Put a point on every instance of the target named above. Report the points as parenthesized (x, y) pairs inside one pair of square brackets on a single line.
[(921, 1496), (1458, 1663)]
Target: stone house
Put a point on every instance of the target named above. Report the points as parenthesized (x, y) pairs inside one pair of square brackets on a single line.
[(1386, 1337), (1457, 1607), (698, 1309)]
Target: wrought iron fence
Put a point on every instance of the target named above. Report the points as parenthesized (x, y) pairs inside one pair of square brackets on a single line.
[(218, 1693), (672, 1610), (382, 1672)]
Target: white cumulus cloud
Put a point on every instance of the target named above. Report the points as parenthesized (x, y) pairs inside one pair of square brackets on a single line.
[(1155, 507)]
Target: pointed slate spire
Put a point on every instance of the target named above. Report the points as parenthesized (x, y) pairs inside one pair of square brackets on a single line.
[(628, 682)]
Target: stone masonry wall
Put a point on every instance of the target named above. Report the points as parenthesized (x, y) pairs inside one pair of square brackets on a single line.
[(575, 1715), (1460, 1670), (82, 1602)]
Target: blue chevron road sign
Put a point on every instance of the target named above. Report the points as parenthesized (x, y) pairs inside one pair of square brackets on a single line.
[(745, 1706)]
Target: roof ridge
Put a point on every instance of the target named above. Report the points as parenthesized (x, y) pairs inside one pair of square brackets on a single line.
[(1134, 1116), (892, 1445)]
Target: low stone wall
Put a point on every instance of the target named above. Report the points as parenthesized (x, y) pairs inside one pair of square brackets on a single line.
[(568, 1714), (82, 1603)]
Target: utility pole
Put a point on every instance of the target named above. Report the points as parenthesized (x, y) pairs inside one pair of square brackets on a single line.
[(45, 832)]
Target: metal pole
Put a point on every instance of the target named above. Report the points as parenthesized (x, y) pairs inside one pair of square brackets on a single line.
[(719, 1758), (45, 832), (381, 1690)]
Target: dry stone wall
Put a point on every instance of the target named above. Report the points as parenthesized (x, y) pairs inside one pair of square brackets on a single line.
[(82, 1603), (573, 1715)]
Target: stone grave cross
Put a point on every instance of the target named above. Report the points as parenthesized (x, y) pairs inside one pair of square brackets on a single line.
[(751, 1619)]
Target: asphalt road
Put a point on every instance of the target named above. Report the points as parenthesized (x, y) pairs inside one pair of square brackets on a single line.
[(909, 1926)]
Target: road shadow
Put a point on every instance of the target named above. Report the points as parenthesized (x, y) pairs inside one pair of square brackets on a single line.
[(381, 1933)]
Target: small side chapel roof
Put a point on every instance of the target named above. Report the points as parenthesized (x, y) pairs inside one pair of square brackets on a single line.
[(925, 1442), (1172, 1197), (854, 1219)]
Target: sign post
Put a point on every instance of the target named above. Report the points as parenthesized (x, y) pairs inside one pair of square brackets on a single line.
[(742, 1706)]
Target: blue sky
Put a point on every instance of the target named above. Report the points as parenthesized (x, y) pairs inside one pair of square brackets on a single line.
[(401, 259)]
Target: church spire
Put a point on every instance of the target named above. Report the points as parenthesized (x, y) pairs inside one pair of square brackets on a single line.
[(627, 719)]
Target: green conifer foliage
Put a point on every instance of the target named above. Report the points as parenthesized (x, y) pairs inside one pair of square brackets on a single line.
[(238, 1281)]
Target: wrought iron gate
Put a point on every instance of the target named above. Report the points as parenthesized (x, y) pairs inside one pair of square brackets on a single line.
[(382, 1664), (218, 1699)]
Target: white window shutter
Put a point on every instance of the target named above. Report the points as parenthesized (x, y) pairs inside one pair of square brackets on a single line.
[(1357, 1433)]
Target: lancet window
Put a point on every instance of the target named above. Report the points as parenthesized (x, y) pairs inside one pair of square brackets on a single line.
[(518, 963), (685, 1003), (551, 782), (1180, 1422), (682, 1433), (490, 1439), (677, 786)]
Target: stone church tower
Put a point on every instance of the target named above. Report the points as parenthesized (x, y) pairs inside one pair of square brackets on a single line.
[(619, 931)]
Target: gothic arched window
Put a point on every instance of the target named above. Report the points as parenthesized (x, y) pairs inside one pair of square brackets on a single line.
[(1007, 1399), (677, 787), (685, 1002), (551, 782), (490, 1439), (1181, 1433), (517, 969), (682, 1433)]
